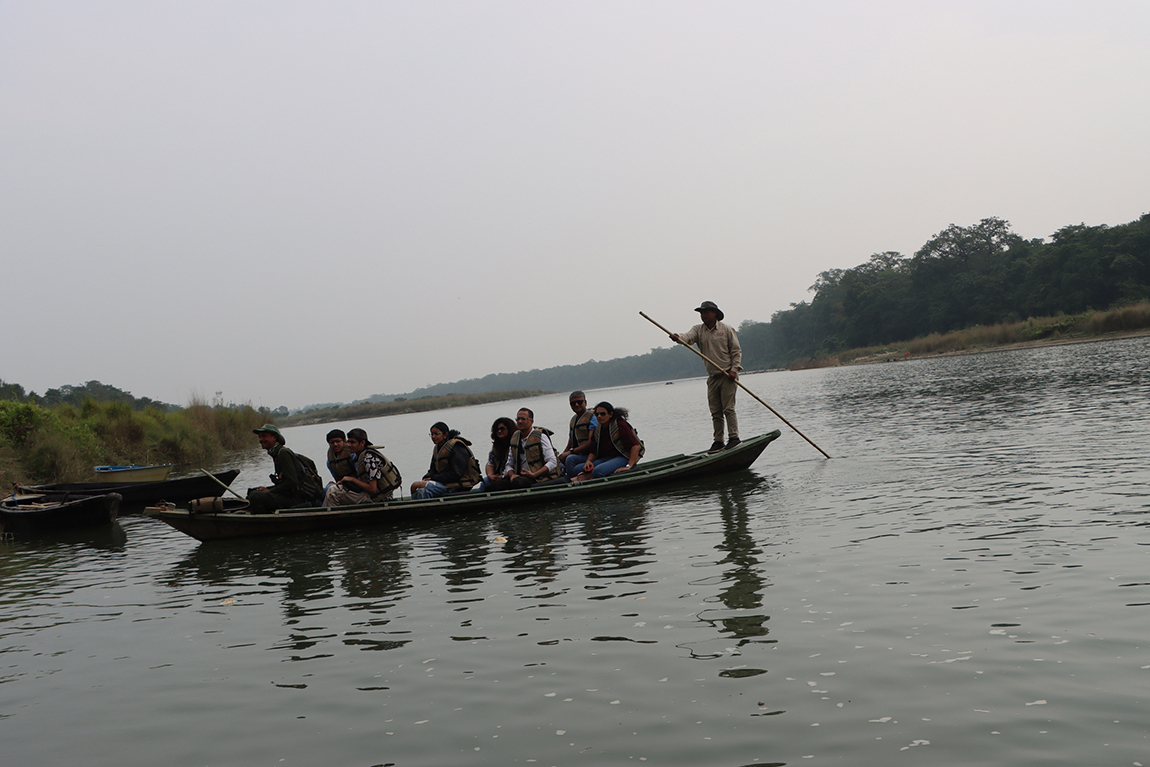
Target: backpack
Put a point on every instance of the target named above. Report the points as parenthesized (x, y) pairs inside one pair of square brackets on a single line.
[(310, 483), (392, 479)]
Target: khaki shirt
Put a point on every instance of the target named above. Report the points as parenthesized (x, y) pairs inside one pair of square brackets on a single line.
[(720, 344)]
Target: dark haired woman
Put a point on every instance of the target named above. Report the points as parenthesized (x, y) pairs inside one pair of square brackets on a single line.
[(614, 445), (501, 432), (453, 465)]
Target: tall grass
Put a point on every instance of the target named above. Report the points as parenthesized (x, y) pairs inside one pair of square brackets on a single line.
[(978, 337), (1120, 319), (63, 443), (1123, 319)]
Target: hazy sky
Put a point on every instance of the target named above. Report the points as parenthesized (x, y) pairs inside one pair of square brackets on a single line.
[(295, 202)]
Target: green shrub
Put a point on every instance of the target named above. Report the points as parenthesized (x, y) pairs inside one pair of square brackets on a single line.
[(55, 458), (19, 420), (62, 443)]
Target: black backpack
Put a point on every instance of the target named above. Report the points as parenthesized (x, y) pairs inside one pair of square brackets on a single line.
[(392, 479), (310, 482)]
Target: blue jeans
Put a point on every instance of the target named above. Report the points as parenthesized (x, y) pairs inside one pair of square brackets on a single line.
[(606, 466), (574, 465), (483, 483), (433, 489)]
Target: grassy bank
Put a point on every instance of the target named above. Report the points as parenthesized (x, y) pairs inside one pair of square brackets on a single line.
[(63, 443), (376, 409), (1036, 330)]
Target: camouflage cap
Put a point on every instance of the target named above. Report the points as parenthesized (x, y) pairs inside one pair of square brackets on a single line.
[(271, 429)]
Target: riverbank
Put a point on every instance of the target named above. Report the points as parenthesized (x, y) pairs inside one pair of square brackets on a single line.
[(64, 443), (1125, 322)]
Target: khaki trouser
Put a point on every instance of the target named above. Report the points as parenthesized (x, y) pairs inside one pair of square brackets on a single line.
[(721, 398), (337, 495)]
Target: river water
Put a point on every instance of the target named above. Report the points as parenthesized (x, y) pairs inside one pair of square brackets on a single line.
[(966, 582)]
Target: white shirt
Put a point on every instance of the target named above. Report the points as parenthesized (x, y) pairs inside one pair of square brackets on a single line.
[(549, 458)]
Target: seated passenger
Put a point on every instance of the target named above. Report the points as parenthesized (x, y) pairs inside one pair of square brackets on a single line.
[(615, 447), (340, 460), (375, 478), (453, 465), (530, 457), (501, 432), (578, 435), (289, 485)]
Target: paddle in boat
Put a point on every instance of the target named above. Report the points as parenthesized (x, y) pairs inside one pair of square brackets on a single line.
[(220, 518)]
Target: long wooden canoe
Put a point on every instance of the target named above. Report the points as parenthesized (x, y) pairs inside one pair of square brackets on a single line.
[(136, 495), (207, 526), (52, 512)]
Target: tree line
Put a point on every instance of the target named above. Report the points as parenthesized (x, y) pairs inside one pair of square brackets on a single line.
[(77, 395), (961, 278)]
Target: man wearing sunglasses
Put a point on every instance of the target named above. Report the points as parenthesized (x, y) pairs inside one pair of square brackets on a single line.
[(531, 457), (579, 433)]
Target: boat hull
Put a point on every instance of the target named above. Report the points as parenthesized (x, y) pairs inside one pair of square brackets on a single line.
[(136, 495), (214, 526), (52, 512)]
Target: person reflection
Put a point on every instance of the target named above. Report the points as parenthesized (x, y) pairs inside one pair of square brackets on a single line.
[(742, 570), (616, 543), (531, 546), (375, 569), (464, 545)]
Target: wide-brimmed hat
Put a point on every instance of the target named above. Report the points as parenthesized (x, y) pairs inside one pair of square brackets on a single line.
[(271, 429), (711, 305)]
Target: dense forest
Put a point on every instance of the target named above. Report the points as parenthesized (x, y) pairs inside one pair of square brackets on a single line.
[(961, 278)]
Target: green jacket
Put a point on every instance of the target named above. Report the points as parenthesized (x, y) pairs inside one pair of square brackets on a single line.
[(286, 480)]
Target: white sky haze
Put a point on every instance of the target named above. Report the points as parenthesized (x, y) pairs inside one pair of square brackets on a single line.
[(296, 202)]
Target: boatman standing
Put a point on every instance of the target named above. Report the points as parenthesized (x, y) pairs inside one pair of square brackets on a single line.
[(719, 343)]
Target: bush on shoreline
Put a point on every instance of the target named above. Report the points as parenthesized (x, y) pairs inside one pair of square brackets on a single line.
[(62, 443)]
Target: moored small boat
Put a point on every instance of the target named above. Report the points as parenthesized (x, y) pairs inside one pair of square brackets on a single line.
[(136, 495), (49, 512), (121, 474), (231, 520)]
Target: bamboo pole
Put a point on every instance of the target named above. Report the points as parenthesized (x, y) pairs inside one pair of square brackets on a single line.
[(221, 484), (740, 385)]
